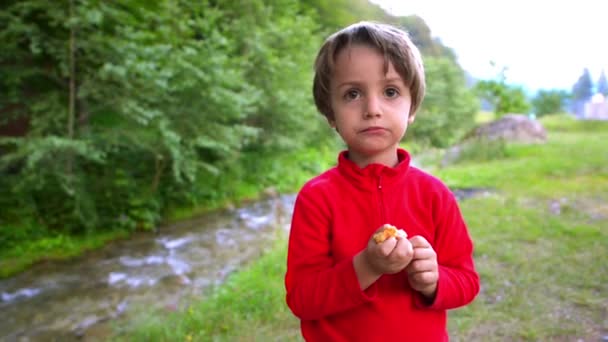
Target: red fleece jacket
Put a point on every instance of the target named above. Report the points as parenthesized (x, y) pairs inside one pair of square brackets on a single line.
[(335, 215)]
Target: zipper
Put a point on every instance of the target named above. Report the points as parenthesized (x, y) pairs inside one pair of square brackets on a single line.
[(381, 201)]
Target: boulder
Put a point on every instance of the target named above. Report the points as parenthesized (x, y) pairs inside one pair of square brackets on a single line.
[(511, 128)]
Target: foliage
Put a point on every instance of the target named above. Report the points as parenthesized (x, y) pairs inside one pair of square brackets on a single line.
[(549, 102), (420, 34), (335, 14), (503, 98), (166, 94), (449, 108)]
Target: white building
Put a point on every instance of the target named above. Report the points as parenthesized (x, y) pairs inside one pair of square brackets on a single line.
[(596, 108)]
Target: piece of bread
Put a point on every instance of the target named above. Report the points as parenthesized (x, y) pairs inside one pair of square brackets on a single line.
[(388, 231)]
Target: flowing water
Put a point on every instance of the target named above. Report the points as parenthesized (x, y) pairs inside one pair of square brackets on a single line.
[(80, 299), (77, 300)]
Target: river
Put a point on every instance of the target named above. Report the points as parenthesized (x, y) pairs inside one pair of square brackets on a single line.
[(80, 298)]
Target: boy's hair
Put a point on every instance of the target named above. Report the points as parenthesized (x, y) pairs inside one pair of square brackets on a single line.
[(393, 43)]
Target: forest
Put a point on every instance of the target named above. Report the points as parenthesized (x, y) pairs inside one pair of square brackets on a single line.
[(116, 117)]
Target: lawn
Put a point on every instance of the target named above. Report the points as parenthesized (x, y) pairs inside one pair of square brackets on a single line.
[(541, 237)]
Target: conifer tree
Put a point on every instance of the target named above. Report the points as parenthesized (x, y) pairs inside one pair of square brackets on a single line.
[(583, 88), (602, 84)]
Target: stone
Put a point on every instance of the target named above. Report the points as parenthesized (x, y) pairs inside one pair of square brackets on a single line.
[(511, 128)]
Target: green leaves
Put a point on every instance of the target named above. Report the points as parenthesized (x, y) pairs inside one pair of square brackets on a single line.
[(504, 98), (449, 107), (45, 152), (549, 101), (170, 95)]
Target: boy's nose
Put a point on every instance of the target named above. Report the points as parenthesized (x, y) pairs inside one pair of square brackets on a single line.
[(373, 107)]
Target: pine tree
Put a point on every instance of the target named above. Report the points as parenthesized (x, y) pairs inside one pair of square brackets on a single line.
[(583, 88), (602, 84)]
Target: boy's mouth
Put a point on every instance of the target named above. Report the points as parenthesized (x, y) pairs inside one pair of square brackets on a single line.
[(372, 129)]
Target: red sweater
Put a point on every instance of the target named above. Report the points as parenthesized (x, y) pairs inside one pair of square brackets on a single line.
[(335, 215)]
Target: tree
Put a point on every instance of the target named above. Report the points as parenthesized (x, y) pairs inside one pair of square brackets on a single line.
[(449, 107), (420, 34), (549, 101), (503, 97), (145, 103), (602, 84), (582, 90)]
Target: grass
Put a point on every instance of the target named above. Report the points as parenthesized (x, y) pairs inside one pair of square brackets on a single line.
[(541, 241), (540, 250), (49, 248), (541, 247)]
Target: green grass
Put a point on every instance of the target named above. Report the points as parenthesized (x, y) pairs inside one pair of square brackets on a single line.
[(58, 247), (541, 248), (574, 162), (483, 117)]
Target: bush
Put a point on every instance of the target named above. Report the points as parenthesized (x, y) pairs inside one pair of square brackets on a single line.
[(449, 108)]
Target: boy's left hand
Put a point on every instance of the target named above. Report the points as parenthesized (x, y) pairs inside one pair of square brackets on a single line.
[(423, 271)]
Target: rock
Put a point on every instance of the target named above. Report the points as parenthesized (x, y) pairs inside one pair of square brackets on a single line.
[(511, 128), (270, 192), (451, 155)]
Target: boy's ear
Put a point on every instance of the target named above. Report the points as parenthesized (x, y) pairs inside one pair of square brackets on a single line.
[(411, 118), (331, 122)]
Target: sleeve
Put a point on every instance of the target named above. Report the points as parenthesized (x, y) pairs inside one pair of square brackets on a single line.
[(458, 280), (317, 286)]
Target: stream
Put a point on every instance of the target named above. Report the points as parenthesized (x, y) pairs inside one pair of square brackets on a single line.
[(78, 299)]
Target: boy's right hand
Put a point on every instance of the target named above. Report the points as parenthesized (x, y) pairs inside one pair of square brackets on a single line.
[(390, 256)]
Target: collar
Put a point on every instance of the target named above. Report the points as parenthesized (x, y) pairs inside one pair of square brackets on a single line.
[(373, 175)]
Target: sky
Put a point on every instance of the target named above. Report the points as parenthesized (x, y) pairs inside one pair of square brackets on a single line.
[(543, 44)]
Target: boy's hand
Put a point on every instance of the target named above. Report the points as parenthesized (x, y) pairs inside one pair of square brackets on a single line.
[(423, 271), (390, 256)]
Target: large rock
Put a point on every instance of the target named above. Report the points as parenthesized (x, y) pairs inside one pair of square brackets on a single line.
[(511, 128)]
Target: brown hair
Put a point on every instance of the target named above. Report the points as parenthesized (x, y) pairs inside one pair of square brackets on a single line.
[(393, 43)]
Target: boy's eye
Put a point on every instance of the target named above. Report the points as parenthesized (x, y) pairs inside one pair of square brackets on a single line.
[(352, 94), (391, 92)]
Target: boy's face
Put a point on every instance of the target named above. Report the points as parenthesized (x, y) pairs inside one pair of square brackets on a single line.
[(371, 108)]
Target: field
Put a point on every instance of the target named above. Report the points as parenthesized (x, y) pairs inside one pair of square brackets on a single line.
[(540, 228)]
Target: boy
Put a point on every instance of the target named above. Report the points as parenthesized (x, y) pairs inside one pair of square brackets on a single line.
[(369, 82)]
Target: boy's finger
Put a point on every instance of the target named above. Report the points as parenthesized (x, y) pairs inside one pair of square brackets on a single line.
[(418, 241), (418, 266), (425, 278), (403, 248), (424, 253), (387, 246)]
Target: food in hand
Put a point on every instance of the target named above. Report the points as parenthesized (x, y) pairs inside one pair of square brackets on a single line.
[(388, 231)]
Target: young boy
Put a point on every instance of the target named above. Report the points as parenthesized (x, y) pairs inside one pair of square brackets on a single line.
[(369, 82)]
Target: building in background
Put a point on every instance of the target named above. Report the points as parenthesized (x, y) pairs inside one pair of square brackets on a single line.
[(595, 109)]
